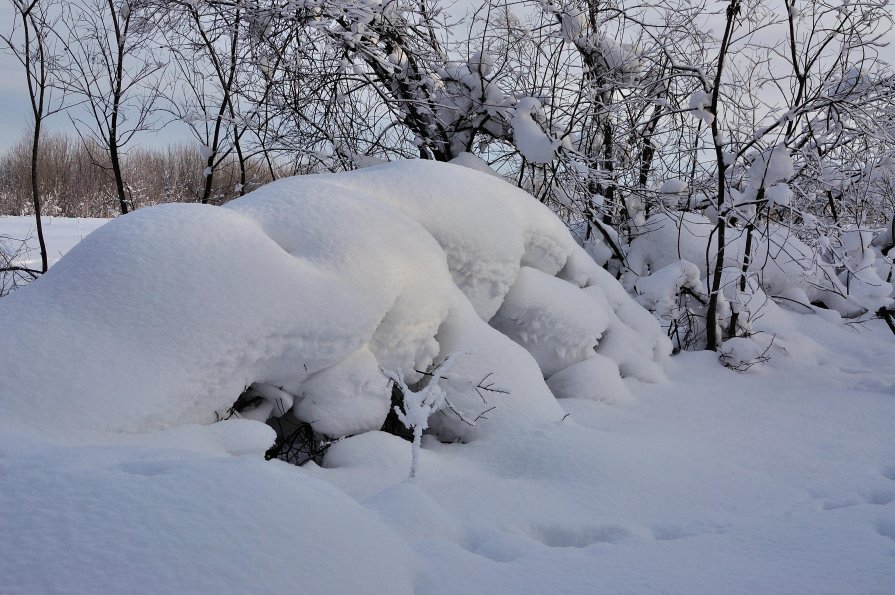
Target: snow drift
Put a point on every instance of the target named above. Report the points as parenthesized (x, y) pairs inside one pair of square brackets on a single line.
[(781, 479), (315, 285)]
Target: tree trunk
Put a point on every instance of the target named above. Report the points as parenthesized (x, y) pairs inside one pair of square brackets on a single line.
[(35, 195)]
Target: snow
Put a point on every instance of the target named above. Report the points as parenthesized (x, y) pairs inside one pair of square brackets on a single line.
[(671, 191), (349, 397), (700, 104), (558, 323), (780, 261), (312, 286), (673, 186), (863, 277), (205, 151), (769, 167), (658, 292), (528, 136), (60, 235), (624, 472), (776, 480), (741, 353), (573, 24), (124, 518), (779, 194), (670, 237), (472, 161), (481, 62), (596, 378)]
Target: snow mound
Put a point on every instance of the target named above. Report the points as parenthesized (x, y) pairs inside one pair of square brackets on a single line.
[(163, 520), (310, 286), (596, 379), (554, 320)]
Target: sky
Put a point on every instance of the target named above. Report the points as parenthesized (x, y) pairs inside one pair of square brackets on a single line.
[(15, 111)]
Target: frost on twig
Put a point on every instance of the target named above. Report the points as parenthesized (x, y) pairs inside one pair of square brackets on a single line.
[(416, 407), (12, 273), (260, 402), (419, 406)]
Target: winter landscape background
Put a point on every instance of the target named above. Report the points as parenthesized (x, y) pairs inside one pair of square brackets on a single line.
[(387, 297)]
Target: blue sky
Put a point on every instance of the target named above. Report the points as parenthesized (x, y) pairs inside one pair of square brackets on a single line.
[(15, 114), (15, 111)]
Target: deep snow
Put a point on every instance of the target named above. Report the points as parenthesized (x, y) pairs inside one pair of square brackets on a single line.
[(316, 285), (780, 479)]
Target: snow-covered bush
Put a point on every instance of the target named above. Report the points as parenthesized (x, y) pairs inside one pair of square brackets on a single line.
[(670, 262), (303, 291)]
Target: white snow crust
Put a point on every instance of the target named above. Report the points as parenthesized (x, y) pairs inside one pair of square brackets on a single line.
[(780, 479), (312, 285), (131, 519)]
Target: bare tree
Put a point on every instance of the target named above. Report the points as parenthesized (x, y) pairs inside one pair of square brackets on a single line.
[(31, 43), (211, 57), (112, 67), (73, 184)]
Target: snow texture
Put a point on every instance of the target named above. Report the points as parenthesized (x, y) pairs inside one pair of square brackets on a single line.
[(141, 520), (554, 320), (780, 479), (310, 285), (700, 105), (528, 137)]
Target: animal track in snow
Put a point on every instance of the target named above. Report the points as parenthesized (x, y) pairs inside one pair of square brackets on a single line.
[(886, 529), (580, 537), (147, 468), (674, 532), (845, 502), (497, 546), (880, 497), (875, 383)]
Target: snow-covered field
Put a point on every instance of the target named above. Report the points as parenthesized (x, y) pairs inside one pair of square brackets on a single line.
[(60, 234), (780, 479)]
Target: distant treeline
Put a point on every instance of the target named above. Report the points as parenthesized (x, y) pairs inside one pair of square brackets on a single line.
[(76, 180)]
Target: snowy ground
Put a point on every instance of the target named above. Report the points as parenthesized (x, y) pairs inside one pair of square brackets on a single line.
[(777, 480), (60, 235)]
